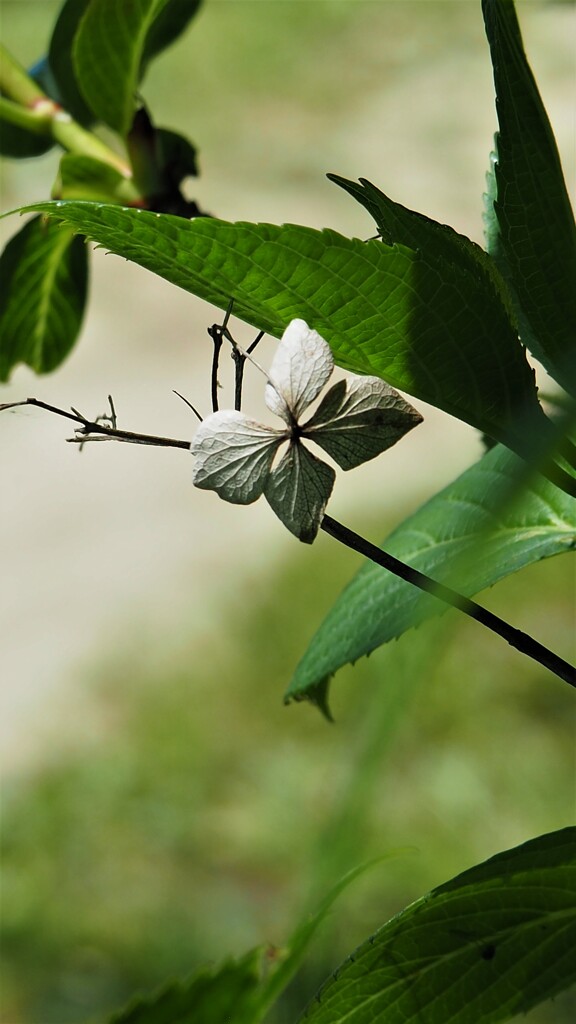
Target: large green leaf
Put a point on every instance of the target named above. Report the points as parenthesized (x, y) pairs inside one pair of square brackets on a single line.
[(112, 44), (225, 993), (428, 328), (396, 223), (61, 64), (530, 225), (44, 273), (493, 942), (469, 536)]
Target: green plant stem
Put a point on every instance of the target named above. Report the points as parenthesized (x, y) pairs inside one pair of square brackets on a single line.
[(523, 642), (24, 103), (36, 120), (16, 82), (515, 637)]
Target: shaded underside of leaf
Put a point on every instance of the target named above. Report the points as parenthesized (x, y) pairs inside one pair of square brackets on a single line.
[(44, 272), (494, 942), (468, 536), (530, 224), (385, 310)]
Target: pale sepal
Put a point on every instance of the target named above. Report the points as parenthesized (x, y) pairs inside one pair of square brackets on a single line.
[(298, 490), (359, 418), (233, 456), (301, 366)]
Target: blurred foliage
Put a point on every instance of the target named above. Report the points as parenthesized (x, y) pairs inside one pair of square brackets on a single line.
[(206, 818)]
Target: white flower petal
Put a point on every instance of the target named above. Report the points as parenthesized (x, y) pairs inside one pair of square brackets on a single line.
[(358, 419), (301, 367), (298, 490), (233, 456)]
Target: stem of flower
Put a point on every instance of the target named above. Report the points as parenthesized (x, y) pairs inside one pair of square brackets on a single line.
[(101, 431), (523, 642)]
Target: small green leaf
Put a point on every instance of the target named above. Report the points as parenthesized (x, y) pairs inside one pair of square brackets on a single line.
[(225, 993), (530, 225), (493, 942), (112, 45), (83, 177), (431, 330), (44, 274), (466, 536)]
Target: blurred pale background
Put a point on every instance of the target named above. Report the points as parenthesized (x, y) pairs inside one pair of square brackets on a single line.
[(122, 584)]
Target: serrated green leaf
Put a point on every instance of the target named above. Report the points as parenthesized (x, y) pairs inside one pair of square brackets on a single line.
[(225, 993), (493, 942), (396, 223), (239, 991), (466, 536), (385, 310), (44, 275), (530, 225), (112, 44)]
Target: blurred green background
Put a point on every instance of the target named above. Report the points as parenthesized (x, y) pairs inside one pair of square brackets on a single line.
[(161, 808)]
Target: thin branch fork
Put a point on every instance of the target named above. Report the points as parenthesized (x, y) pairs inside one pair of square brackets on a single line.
[(98, 431)]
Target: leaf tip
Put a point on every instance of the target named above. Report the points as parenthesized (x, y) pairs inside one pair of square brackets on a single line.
[(317, 694)]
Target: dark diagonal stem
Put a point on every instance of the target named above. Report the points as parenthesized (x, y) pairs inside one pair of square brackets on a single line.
[(515, 637)]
